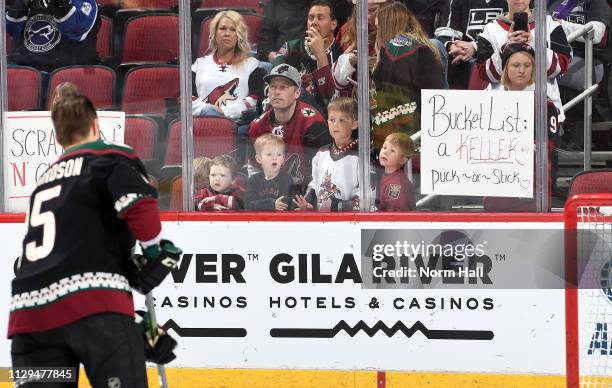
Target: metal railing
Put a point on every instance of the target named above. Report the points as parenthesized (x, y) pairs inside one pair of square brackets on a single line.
[(589, 89)]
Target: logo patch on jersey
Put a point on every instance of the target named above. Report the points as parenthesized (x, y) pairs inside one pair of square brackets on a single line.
[(114, 382), (41, 33), (394, 191), (278, 130), (283, 50), (307, 112), (86, 8), (223, 93), (402, 41), (328, 189), (477, 19)]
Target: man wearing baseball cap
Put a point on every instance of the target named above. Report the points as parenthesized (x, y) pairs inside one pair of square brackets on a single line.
[(301, 126)]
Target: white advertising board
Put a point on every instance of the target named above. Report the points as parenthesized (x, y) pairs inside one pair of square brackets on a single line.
[(30, 147), (283, 295), (477, 142)]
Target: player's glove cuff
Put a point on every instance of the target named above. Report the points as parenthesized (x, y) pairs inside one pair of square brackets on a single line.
[(158, 345), (147, 271)]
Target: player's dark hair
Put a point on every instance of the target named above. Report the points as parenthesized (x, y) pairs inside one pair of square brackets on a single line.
[(345, 105), (325, 3), (72, 118)]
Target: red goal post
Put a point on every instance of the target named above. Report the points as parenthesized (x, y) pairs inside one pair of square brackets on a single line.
[(588, 292)]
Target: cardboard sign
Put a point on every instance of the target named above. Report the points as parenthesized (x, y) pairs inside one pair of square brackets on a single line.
[(477, 142), (30, 147)]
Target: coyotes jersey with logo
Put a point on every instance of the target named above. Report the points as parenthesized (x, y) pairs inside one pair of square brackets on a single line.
[(304, 134), (47, 43), (467, 18), (80, 235), (395, 192), (223, 85), (335, 177)]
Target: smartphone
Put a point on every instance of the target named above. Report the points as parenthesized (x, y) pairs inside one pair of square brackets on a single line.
[(520, 22)]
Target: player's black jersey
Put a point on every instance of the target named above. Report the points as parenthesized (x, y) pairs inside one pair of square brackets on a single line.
[(467, 18), (77, 244)]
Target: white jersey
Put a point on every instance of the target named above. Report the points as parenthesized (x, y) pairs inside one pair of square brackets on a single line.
[(223, 85), (493, 40), (335, 177)]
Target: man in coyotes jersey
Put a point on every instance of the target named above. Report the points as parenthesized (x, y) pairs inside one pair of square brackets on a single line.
[(301, 126), (71, 299)]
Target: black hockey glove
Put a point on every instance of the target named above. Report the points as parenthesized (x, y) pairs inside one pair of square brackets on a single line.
[(147, 271), (158, 345)]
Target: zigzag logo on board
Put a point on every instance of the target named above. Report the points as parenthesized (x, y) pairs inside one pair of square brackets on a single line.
[(399, 326)]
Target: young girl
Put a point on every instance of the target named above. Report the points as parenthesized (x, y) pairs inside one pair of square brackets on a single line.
[(395, 191)]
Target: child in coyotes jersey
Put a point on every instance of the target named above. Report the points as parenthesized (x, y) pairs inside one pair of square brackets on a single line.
[(335, 169), (395, 191)]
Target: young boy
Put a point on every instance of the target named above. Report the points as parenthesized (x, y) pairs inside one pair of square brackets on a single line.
[(395, 191), (335, 171), (221, 193), (271, 189)]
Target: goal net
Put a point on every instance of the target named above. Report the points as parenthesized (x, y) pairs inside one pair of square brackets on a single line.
[(588, 255)]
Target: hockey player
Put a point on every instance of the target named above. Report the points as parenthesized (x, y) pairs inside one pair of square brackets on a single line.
[(71, 300), (50, 34)]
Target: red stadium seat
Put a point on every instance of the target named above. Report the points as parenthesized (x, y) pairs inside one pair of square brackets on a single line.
[(95, 82), (146, 88), (104, 43), (24, 88), (151, 38), (141, 135), (592, 181), (212, 136), (253, 23), (253, 5)]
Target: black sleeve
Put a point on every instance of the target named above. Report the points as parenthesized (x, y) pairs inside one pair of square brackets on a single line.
[(267, 33), (452, 24), (251, 202), (598, 11), (256, 83), (194, 90), (17, 10)]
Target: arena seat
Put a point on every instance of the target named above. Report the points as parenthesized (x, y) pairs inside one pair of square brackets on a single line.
[(96, 82), (24, 88), (212, 136)]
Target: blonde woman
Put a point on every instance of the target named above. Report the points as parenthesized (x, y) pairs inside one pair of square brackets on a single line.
[(407, 61), (227, 79)]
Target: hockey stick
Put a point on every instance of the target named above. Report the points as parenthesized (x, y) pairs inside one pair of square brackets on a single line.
[(161, 370)]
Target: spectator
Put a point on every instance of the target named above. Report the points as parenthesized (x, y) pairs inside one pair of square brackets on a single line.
[(407, 62), (227, 81), (285, 20), (345, 69), (335, 169), (201, 170), (54, 33), (395, 191), (498, 33), (428, 12), (299, 124), (221, 193), (573, 14), (271, 189), (314, 54), (459, 31), (518, 64)]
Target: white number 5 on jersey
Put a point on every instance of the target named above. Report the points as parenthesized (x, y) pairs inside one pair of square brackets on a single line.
[(46, 219)]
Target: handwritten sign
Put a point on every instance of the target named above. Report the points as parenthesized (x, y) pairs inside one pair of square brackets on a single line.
[(477, 142), (30, 147)]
